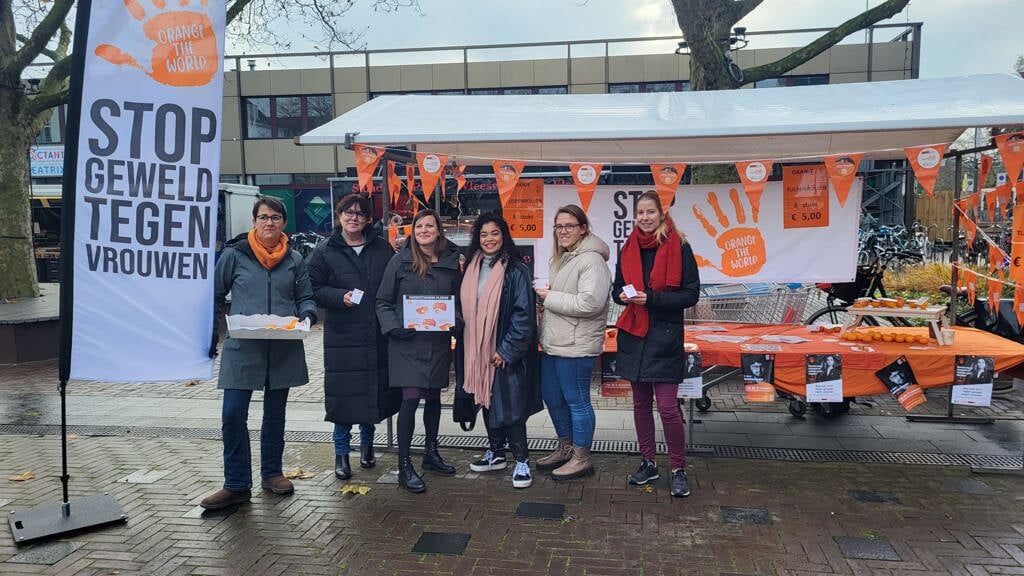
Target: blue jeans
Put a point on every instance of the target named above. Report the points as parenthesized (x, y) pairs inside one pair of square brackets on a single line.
[(565, 386), (343, 437), (234, 428)]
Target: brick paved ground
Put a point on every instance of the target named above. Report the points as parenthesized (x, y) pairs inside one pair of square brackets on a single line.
[(938, 520)]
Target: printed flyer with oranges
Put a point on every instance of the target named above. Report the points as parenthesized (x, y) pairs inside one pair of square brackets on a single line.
[(429, 313)]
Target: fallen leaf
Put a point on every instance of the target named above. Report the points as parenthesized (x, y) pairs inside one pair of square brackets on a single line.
[(191, 382), (649, 489), (299, 474), (354, 489), (27, 475)]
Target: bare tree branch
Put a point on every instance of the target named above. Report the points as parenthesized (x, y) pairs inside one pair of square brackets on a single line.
[(43, 103), (40, 37)]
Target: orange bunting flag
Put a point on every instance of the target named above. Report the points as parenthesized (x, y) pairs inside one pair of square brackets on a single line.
[(431, 168), (842, 170), (984, 167), (1017, 248), (506, 174), (367, 158), (995, 290), (969, 279), (585, 176), (394, 184), (926, 161), (998, 200), (666, 181), (754, 175), (460, 176), (1011, 149), (995, 258), (410, 187), (970, 231)]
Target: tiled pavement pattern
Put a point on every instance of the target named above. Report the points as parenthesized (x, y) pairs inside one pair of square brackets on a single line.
[(809, 519)]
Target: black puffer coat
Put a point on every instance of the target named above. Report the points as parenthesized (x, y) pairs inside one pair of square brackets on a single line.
[(515, 393), (355, 352), (425, 360), (657, 357)]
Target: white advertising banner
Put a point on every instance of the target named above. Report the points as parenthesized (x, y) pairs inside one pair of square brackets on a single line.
[(800, 235), (145, 198)]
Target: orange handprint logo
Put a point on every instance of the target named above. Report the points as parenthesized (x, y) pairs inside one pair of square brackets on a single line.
[(743, 249), (185, 53)]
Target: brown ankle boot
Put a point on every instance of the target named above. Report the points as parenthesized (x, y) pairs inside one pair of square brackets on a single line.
[(577, 467), (223, 498), (560, 456), (278, 485)]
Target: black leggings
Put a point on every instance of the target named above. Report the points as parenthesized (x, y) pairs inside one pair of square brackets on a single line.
[(407, 417), (514, 435)]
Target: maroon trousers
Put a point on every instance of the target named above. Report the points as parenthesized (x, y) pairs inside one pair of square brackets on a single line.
[(644, 394)]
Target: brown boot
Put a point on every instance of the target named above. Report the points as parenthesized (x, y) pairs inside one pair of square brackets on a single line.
[(577, 467), (278, 485), (223, 498), (560, 456)]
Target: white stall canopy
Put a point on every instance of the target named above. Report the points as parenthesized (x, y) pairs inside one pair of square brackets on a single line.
[(802, 122)]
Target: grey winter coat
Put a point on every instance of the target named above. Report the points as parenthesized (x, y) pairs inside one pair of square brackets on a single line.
[(423, 361), (285, 291)]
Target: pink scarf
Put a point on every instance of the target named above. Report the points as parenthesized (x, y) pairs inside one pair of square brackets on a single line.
[(480, 338)]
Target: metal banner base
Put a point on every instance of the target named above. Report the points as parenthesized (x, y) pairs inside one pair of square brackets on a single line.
[(48, 520)]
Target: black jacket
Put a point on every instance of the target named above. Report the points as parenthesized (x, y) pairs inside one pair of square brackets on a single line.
[(515, 392), (355, 352), (425, 360), (657, 357)]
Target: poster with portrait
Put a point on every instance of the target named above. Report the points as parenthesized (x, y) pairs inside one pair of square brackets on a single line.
[(899, 378), (758, 375), (824, 377), (972, 380), (692, 385)]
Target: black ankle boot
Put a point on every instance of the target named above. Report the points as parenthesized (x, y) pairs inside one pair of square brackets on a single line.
[(341, 468), (433, 461), (366, 457), (408, 477)]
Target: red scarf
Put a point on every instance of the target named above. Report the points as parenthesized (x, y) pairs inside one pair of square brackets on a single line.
[(667, 273)]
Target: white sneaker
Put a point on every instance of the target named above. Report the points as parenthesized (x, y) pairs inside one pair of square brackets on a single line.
[(488, 462), (521, 476)]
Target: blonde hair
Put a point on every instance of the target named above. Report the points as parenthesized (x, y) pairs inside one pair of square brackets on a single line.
[(662, 231), (581, 217), (420, 261)]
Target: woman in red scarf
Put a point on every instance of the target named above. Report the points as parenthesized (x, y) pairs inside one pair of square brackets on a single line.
[(656, 278)]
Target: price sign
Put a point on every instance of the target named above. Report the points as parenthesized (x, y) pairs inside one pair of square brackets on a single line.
[(524, 211), (805, 197)]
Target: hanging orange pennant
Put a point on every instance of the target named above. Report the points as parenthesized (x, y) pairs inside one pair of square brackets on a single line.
[(460, 176), (410, 181), (995, 258), (367, 158), (969, 279), (984, 167), (431, 168), (1001, 199), (1011, 149), (666, 181), (995, 290), (394, 184), (585, 176), (970, 231), (754, 175), (506, 174), (926, 161), (842, 170)]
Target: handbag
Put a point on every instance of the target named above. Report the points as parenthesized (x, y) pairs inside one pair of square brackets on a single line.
[(464, 409)]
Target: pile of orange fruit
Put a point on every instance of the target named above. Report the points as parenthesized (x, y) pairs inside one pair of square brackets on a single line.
[(920, 303), (876, 336)]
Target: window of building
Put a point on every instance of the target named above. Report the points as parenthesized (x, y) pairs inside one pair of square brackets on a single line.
[(805, 80), (52, 131), (487, 91), (285, 116), (635, 87)]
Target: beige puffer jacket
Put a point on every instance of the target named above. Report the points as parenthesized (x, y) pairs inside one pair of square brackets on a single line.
[(576, 308)]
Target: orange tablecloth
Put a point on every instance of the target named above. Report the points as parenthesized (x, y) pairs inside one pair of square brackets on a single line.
[(933, 367)]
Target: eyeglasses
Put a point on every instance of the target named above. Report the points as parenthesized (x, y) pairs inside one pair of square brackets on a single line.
[(566, 227), (273, 218), (355, 214)]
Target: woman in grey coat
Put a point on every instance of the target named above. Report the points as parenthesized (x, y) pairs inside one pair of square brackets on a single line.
[(264, 276), (418, 361)]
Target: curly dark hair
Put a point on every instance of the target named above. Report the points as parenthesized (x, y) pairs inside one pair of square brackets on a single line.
[(509, 250)]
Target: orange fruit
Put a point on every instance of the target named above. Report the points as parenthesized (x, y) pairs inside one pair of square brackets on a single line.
[(922, 339), (886, 337), (900, 302), (876, 336), (899, 338)]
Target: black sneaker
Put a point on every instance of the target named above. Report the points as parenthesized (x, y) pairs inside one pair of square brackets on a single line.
[(680, 484), (521, 477), (488, 462), (647, 471)]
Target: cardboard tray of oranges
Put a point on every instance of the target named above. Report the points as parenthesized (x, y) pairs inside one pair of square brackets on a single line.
[(266, 327), (888, 335)]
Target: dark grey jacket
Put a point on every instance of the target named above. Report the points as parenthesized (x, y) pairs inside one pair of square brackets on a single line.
[(285, 291), (423, 361)]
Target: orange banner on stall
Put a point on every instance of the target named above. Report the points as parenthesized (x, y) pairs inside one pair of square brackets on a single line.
[(926, 161), (754, 175), (984, 167), (804, 197), (506, 174), (431, 168), (1011, 149), (842, 171), (585, 176), (367, 158), (666, 181), (524, 210), (1017, 248), (394, 184), (1018, 305)]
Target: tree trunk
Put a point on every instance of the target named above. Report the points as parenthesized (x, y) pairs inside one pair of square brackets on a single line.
[(17, 260)]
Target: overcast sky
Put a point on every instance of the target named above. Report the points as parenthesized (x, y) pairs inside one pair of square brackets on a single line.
[(960, 36)]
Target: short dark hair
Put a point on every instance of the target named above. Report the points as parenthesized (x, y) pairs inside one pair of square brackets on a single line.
[(272, 203), (346, 202)]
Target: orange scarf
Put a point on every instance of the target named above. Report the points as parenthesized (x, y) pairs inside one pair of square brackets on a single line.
[(273, 256)]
